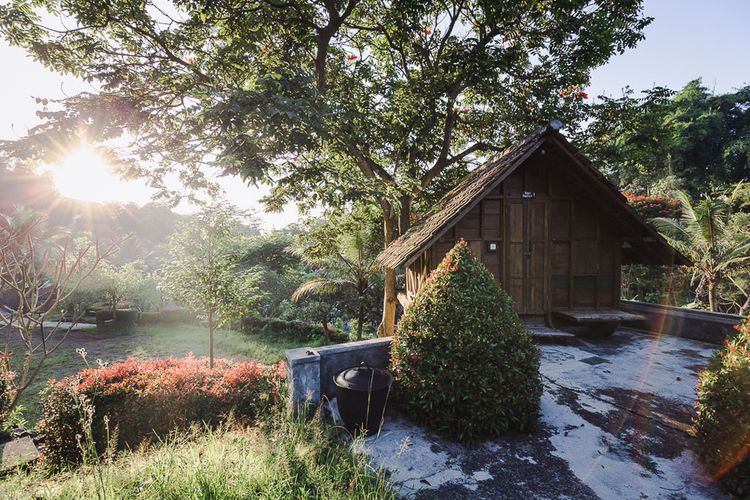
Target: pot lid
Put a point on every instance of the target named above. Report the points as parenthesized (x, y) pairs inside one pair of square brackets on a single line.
[(363, 378)]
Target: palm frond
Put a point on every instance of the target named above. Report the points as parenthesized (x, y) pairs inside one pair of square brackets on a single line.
[(321, 286)]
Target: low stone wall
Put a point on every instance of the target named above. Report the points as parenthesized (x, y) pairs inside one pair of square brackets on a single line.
[(310, 371), (680, 322)]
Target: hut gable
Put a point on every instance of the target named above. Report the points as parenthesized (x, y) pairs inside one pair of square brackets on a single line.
[(548, 225), (457, 202), (478, 183)]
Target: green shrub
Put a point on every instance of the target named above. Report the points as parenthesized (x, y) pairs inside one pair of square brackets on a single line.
[(102, 316), (127, 316), (290, 330), (722, 421), (137, 401), (149, 318), (463, 362), (176, 316)]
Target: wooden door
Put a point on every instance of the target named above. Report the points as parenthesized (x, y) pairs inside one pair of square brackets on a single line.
[(526, 265)]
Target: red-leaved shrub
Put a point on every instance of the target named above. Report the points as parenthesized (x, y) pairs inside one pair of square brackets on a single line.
[(136, 401)]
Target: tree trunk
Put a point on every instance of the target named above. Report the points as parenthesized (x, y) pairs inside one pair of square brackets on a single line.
[(210, 337), (390, 300), (712, 299), (360, 317), (324, 321), (745, 309), (389, 296)]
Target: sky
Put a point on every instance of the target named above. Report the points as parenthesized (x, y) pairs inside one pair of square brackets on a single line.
[(688, 39)]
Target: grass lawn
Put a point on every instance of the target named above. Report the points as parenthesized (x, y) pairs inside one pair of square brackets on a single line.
[(154, 341), (285, 459)]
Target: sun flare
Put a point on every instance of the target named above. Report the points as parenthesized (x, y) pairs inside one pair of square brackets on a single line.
[(85, 175)]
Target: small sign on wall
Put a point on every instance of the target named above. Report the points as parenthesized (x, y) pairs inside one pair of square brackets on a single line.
[(492, 246)]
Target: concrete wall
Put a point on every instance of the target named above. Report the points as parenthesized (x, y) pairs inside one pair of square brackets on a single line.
[(689, 323), (310, 371)]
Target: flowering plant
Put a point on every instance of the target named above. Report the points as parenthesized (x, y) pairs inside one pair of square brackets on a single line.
[(144, 399), (650, 207), (722, 421)]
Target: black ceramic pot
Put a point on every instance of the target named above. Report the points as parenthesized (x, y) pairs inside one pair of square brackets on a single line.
[(362, 393)]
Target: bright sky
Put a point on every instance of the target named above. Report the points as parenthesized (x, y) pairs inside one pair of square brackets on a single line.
[(687, 39)]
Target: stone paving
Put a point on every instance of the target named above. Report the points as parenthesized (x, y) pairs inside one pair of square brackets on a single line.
[(615, 424)]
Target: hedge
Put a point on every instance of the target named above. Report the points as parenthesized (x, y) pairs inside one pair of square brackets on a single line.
[(722, 422), (138, 401)]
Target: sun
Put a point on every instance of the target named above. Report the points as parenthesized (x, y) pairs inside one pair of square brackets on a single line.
[(85, 175)]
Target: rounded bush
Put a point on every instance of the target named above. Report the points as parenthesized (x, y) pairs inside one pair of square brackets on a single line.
[(136, 401), (463, 361), (722, 421)]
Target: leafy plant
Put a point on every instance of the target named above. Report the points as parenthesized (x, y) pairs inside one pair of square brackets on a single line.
[(202, 271), (706, 234), (143, 400), (722, 421), (344, 256), (463, 361), (286, 457)]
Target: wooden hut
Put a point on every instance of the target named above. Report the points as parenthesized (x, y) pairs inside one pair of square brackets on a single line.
[(551, 229)]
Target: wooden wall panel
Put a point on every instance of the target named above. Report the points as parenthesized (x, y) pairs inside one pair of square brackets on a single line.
[(585, 258), (491, 217), (513, 185), (536, 178), (585, 221), (584, 294), (561, 258), (469, 228), (515, 252), (560, 220)]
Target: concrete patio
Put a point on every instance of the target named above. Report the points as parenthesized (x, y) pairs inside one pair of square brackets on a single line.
[(615, 419)]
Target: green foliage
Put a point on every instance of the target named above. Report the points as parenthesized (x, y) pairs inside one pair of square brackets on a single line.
[(696, 140), (203, 274), (362, 100), (290, 330), (343, 252), (280, 270), (722, 421), (134, 401), (707, 233), (111, 284), (284, 458), (668, 285), (463, 361)]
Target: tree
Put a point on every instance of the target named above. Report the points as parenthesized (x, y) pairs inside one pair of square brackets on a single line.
[(705, 234), (662, 140), (332, 100), (281, 270), (202, 271), (38, 274), (346, 263)]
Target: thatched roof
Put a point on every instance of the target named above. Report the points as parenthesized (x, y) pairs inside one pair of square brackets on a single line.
[(478, 183)]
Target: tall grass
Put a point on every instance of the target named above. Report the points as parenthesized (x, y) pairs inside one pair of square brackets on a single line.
[(285, 458)]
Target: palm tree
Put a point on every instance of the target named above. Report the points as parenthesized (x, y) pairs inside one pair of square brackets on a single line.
[(706, 234), (349, 265)]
